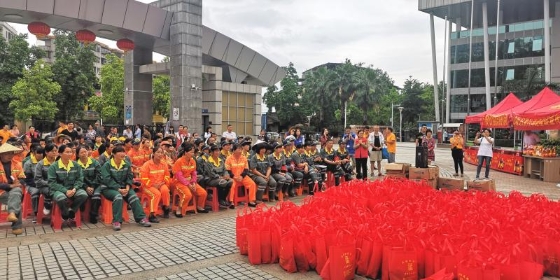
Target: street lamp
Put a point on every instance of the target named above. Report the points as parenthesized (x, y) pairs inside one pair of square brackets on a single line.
[(392, 119), (400, 126)]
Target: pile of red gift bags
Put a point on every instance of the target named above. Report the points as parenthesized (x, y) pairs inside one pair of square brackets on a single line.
[(398, 229)]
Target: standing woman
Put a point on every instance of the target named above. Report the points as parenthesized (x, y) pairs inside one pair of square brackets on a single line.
[(484, 152), (66, 183), (300, 139), (430, 142), (155, 182), (324, 137), (116, 177), (186, 182), (457, 143), (361, 155), (208, 133), (90, 133), (92, 173)]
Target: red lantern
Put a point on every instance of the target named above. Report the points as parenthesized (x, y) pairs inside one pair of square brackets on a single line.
[(125, 45), (85, 36), (39, 29)]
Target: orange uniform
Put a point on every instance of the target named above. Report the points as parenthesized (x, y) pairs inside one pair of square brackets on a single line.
[(151, 175), (184, 172), (16, 173), (237, 166), (137, 158)]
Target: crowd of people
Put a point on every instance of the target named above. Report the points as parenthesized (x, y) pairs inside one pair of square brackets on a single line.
[(72, 166)]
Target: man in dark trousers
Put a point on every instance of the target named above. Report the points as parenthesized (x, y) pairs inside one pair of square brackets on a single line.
[(11, 181)]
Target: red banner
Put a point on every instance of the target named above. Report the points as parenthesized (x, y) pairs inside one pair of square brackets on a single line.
[(496, 121), (537, 122), (502, 160)]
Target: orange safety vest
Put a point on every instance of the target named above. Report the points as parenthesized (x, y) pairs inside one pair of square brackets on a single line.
[(17, 173), (152, 173)]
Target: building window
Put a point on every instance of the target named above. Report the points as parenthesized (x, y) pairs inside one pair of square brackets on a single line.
[(237, 110), (511, 47), (510, 74), (537, 45)]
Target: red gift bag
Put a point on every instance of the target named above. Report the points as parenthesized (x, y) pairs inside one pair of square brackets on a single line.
[(550, 258), (449, 263), (364, 257), (242, 241), (287, 260), (429, 263), (531, 271), (254, 246), (441, 275), (343, 261), (300, 255), (275, 244), (266, 247), (375, 261), (469, 273), (320, 253), (399, 263), (510, 272)]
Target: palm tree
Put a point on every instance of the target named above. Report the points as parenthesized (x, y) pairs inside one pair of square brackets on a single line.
[(368, 90), (345, 81), (319, 88)]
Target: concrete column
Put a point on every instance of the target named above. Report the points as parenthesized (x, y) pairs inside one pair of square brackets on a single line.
[(186, 62), (138, 95), (555, 45), (547, 73), (435, 69), (486, 55), (448, 94)]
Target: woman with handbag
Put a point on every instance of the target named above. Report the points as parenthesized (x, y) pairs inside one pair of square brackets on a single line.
[(430, 142)]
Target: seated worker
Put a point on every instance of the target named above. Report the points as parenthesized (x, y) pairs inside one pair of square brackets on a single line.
[(201, 159), (155, 178), (92, 172), (117, 179), (218, 176), (238, 169), (289, 149), (300, 165), (333, 162), (42, 173), (226, 150), (11, 192), (185, 175), (136, 156), (35, 156), (279, 172), (66, 183), (345, 160), (261, 171), (314, 162)]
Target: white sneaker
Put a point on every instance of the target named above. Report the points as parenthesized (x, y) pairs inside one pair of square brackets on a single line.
[(558, 185), (46, 211)]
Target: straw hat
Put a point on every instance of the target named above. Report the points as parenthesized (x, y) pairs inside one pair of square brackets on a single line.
[(7, 148)]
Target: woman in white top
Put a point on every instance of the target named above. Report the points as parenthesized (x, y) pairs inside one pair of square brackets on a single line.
[(484, 152)]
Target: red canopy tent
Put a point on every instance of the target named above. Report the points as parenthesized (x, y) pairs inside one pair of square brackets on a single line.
[(507, 103), (504, 119), (546, 118)]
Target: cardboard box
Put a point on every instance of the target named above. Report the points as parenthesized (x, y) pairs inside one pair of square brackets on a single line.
[(397, 167), (451, 184), (482, 185), (398, 175), (419, 173), (434, 171), (431, 183)]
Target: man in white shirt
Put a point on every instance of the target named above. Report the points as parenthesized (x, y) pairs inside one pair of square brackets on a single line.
[(530, 138), (229, 134), (376, 141), (127, 132)]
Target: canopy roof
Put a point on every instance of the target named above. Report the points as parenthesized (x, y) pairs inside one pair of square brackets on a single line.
[(507, 103), (504, 119), (546, 118)]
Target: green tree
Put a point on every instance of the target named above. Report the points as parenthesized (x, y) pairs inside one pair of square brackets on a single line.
[(15, 57), (321, 89), (372, 84), (34, 94), (288, 101), (110, 104), (345, 77), (413, 102), (162, 99), (74, 71)]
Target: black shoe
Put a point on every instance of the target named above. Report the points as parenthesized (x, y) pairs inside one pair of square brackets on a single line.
[(153, 219), (292, 194), (166, 212), (178, 215), (202, 211), (223, 204), (252, 204), (71, 214), (231, 205), (93, 219)]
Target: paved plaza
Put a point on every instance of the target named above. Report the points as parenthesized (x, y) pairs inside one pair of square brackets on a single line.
[(200, 246)]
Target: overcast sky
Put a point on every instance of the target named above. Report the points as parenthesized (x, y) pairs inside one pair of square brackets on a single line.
[(391, 35)]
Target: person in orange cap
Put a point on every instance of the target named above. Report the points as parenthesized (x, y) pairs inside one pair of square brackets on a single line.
[(184, 172), (155, 182), (238, 169)]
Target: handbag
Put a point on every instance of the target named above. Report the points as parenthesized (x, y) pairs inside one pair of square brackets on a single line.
[(384, 153)]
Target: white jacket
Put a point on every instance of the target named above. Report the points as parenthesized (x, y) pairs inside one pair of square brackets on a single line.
[(371, 139)]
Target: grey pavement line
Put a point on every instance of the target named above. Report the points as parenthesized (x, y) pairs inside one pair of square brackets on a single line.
[(228, 270)]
